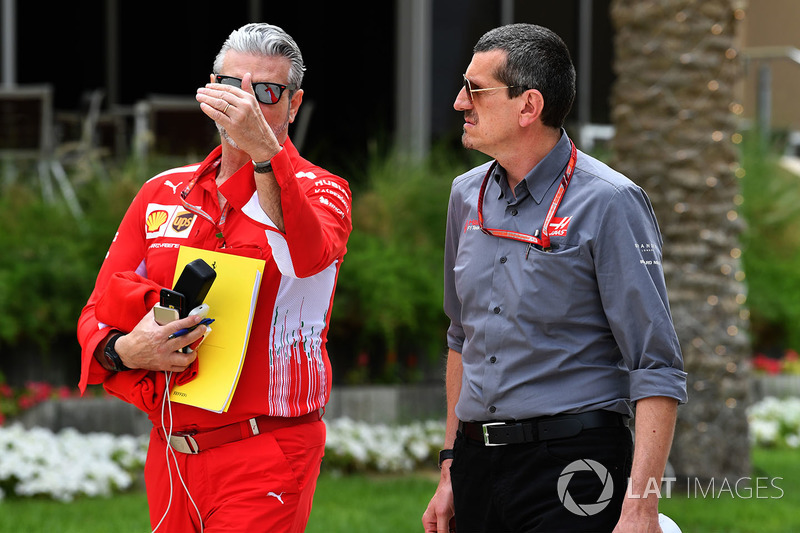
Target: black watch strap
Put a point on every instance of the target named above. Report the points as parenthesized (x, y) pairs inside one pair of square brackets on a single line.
[(444, 455), (111, 355)]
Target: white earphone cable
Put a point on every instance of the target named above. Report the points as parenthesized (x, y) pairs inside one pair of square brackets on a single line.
[(166, 405)]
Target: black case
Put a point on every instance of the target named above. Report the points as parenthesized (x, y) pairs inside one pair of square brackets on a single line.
[(172, 300), (194, 284)]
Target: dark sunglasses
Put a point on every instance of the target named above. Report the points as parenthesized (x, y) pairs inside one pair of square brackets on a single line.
[(266, 93)]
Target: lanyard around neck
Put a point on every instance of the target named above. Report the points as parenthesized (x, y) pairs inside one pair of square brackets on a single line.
[(199, 211), (542, 242)]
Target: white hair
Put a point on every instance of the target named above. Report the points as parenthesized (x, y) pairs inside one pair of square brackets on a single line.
[(267, 40)]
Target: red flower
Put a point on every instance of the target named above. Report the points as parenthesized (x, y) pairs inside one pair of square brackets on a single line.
[(766, 364), (26, 402)]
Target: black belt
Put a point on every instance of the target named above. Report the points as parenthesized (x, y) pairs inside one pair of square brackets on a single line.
[(539, 429)]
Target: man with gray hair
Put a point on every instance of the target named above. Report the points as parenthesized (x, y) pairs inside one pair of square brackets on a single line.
[(254, 466), (559, 318)]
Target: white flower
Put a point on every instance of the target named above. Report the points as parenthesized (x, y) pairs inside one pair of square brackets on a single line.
[(764, 432), (390, 449), (38, 462), (775, 421)]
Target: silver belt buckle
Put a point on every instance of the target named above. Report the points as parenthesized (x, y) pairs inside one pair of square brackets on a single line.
[(184, 444), (486, 433)]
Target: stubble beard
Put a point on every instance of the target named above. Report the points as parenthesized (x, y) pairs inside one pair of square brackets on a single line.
[(465, 138), (465, 141), (278, 131)]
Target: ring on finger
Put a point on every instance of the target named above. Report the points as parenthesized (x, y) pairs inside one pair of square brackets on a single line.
[(226, 108)]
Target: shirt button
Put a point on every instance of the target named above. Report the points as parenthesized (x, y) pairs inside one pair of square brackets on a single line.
[(503, 260), (492, 409), (497, 310), (493, 359), (514, 212)]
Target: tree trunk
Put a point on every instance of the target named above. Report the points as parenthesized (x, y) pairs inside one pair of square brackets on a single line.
[(674, 110)]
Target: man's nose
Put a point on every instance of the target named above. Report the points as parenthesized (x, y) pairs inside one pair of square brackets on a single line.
[(462, 100)]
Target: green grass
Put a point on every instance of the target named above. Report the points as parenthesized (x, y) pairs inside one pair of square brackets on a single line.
[(376, 504), (746, 510), (395, 504), (125, 513)]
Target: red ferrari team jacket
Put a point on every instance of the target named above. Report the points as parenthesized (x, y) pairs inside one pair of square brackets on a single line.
[(286, 370)]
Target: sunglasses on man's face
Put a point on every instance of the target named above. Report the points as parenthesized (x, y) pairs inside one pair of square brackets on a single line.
[(469, 89), (266, 93)]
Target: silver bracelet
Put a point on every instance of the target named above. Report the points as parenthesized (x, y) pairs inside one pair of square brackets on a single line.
[(263, 167)]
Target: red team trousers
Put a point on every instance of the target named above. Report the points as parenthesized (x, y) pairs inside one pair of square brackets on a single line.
[(261, 483)]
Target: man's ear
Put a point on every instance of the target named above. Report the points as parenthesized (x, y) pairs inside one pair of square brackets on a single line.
[(212, 77), (294, 104), (532, 107)]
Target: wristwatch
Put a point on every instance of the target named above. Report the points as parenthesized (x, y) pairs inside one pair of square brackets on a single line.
[(444, 455), (111, 355), (263, 167)]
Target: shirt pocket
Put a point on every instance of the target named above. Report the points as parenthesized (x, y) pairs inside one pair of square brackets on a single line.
[(561, 284)]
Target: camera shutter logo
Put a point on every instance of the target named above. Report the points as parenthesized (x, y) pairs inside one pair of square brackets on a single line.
[(585, 509)]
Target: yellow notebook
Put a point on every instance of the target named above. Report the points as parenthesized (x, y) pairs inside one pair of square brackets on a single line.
[(232, 303)]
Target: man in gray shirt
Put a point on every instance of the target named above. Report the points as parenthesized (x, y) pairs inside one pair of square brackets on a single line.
[(560, 321)]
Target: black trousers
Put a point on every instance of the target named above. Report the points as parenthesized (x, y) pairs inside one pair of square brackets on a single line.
[(574, 484)]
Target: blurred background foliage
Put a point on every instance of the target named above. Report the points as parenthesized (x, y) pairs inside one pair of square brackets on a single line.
[(771, 249)]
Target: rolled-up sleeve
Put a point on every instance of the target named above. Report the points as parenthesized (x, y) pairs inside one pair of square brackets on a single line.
[(452, 304), (630, 277)]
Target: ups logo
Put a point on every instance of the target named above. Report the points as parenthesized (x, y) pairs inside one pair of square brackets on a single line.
[(182, 221)]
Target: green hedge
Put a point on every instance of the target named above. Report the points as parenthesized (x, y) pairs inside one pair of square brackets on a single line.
[(50, 259), (771, 250)]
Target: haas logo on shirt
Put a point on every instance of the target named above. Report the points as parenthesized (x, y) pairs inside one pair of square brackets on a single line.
[(558, 226)]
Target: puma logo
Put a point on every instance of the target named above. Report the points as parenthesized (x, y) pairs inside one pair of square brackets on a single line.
[(279, 497), (174, 187)]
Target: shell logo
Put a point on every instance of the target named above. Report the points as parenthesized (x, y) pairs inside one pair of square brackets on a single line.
[(155, 220)]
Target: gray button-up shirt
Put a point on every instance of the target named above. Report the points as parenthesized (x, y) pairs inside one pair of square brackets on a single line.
[(586, 326)]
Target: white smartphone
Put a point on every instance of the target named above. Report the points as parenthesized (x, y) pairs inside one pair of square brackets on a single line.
[(201, 311), (165, 315)]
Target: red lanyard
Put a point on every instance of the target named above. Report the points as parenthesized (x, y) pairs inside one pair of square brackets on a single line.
[(197, 210), (544, 241)]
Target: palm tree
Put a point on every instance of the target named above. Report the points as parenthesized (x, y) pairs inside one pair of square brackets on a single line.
[(674, 110)]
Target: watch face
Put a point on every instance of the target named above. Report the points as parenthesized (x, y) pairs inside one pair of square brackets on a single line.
[(111, 355), (109, 359)]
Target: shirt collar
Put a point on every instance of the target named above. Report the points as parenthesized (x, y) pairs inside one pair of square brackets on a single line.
[(539, 180)]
